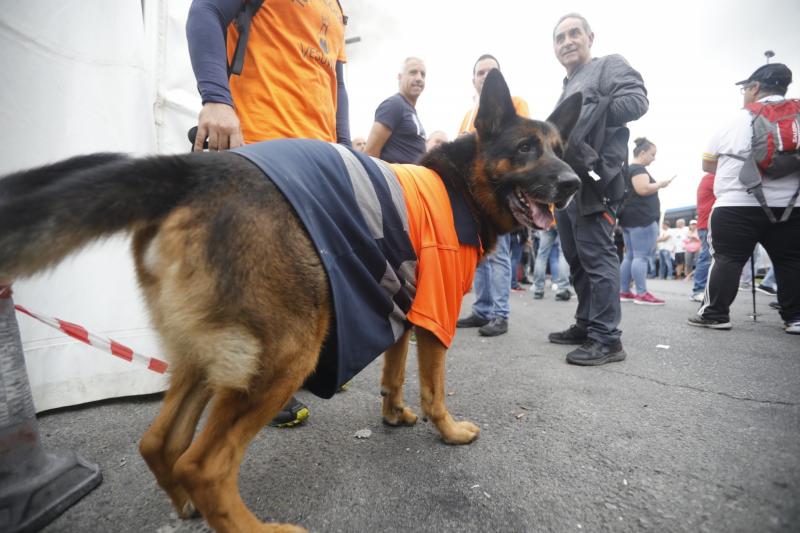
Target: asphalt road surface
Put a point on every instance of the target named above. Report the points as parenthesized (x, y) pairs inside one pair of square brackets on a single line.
[(697, 430)]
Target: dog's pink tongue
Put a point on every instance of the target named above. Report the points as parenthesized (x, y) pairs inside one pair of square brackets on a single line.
[(543, 218)]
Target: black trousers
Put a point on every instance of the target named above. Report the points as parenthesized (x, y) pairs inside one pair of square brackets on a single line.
[(588, 245), (733, 234)]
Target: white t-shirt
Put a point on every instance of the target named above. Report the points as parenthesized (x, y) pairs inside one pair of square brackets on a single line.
[(667, 244), (735, 138), (678, 235)]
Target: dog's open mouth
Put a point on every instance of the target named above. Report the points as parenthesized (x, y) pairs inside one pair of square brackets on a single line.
[(529, 211)]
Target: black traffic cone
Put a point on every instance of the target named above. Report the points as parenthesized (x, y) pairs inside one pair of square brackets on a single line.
[(35, 486)]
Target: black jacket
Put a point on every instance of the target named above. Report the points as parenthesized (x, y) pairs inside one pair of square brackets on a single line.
[(613, 94)]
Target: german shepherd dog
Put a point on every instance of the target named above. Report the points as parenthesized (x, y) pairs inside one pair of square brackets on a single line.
[(236, 288)]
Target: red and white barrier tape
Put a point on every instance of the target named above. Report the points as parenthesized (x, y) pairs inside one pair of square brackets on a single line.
[(79, 332)]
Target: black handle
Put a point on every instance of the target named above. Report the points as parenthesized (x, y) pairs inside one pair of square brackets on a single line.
[(193, 136)]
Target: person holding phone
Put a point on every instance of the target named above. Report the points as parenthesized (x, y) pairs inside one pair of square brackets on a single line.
[(639, 223)]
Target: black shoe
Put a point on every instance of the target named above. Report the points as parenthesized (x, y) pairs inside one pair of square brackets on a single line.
[(472, 321), (497, 326), (292, 414), (563, 296), (572, 335), (766, 289), (775, 305), (593, 353), (538, 294), (708, 323)]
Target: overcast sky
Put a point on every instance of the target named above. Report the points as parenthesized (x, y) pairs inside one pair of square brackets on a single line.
[(690, 54)]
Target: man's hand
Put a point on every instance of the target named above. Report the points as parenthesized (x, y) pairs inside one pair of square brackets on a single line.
[(219, 124)]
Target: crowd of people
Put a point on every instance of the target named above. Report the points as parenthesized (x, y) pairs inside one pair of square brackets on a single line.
[(604, 245)]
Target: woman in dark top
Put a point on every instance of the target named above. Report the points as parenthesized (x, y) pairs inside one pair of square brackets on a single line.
[(639, 222)]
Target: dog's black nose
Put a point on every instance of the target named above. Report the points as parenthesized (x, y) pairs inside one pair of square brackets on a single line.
[(568, 182)]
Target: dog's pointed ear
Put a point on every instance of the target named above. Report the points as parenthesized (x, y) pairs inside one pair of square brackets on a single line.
[(496, 109), (566, 115)]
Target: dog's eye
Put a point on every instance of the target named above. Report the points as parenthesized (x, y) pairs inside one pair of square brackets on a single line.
[(524, 147)]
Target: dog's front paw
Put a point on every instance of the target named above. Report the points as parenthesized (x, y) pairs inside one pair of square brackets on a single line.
[(399, 416), (461, 433)]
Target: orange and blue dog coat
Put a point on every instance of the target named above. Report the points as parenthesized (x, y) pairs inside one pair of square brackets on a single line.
[(399, 247)]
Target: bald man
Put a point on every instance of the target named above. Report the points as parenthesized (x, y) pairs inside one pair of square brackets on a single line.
[(397, 135)]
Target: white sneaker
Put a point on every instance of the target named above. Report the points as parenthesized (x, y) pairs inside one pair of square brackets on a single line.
[(697, 297), (792, 327)]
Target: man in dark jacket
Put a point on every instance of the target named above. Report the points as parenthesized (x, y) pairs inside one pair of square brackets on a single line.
[(613, 94)]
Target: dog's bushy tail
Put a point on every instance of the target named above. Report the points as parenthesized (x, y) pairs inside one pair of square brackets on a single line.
[(48, 212)]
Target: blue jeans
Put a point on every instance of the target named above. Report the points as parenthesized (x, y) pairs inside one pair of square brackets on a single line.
[(548, 241), (651, 264), (516, 255), (665, 264), (769, 279), (703, 262), (747, 269), (492, 282), (639, 245)]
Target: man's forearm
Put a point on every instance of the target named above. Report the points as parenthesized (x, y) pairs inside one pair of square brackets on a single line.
[(342, 108), (205, 33), (376, 139)]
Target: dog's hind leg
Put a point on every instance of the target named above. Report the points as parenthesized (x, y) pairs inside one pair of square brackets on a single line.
[(242, 404), (172, 432), (431, 354), (210, 467), (395, 412)]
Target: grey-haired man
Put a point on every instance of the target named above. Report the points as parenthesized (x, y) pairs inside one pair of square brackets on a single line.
[(613, 94)]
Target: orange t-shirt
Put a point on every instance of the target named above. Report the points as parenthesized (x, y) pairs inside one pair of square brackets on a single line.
[(445, 267), (288, 83), (468, 123)]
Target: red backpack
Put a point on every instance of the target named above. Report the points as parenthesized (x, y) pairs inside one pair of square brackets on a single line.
[(775, 149)]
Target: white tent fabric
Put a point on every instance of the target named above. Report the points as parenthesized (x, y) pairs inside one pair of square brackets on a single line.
[(85, 76)]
